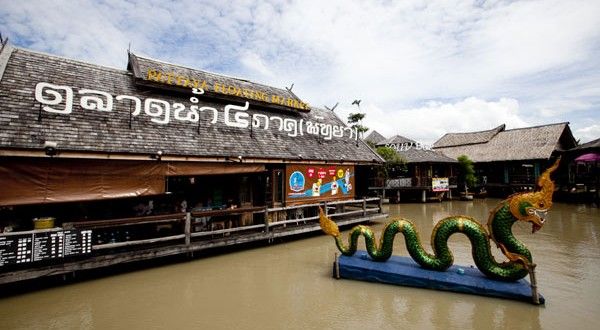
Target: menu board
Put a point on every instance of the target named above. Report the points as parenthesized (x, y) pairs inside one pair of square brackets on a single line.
[(16, 249), (77, 242), (46, 245)]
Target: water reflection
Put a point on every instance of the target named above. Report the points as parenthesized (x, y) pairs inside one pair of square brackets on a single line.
[(290, 286)]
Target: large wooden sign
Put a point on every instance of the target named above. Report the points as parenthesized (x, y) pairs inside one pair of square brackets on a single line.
[(314, 183), (172, 78)]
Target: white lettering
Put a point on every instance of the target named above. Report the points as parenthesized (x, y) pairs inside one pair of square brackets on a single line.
[(157, 108), (47, 88), (93, 102), (240, 118)]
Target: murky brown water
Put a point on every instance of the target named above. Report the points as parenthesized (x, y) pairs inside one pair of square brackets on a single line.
[(289, 286)]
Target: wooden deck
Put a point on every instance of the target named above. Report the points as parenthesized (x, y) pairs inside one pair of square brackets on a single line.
[(190, 241)]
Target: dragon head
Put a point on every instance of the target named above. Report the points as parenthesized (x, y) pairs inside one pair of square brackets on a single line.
[(533, 206)]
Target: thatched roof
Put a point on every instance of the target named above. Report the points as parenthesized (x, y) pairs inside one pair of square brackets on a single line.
[(164, 75), (86, 108), (460, 139), (413, 152), (374, 137), (595, 144), (538, 142)]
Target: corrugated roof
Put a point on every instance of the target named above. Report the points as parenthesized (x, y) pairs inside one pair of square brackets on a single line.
[(537, 142), (26, 123)]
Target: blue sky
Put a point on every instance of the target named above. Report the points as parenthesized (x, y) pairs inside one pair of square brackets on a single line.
[(421, 69)]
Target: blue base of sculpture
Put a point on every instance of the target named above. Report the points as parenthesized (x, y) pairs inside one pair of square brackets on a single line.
[(406, 272)]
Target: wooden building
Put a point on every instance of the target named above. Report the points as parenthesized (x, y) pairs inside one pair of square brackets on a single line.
[(582, 180), (160, 159), (427, 174), (509, 160)]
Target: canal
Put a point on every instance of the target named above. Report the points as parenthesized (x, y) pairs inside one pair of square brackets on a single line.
[(289, 286)]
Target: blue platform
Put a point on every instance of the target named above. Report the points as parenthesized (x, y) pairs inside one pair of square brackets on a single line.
[(406, 272)]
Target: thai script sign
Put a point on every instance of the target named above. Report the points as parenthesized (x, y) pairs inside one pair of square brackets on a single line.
[(409, 145), (171, 78), (440, 184), (319, 183), (61, 99)]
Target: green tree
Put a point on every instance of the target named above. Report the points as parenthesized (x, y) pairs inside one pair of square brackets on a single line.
[(466, 170), (355, 121), (393, 161)]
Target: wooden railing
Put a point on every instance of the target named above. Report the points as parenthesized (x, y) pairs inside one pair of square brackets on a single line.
[(208, 224), (415, 181)]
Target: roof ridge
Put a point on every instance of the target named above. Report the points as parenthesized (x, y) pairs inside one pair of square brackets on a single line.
[(501, 127), (538, 126)]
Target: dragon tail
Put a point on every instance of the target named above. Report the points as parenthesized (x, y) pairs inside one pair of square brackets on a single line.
[(327, 225)]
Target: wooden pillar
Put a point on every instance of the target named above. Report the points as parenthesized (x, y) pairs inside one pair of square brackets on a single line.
[(364, 206), (188, 228), (423, 196), (266, 220), (380, 205)]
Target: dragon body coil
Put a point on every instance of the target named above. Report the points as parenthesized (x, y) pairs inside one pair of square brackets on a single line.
[(529, 207)]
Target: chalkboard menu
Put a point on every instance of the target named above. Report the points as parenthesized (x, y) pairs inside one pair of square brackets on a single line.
[(16, 249), (77, 242), (45, 245)]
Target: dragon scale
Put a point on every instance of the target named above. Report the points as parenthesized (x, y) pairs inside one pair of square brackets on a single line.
[(529, 207)]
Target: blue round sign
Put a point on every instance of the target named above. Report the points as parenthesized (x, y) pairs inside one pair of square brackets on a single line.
[(297, 181)]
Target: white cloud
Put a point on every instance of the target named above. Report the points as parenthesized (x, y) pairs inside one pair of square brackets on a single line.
[(429, 122), (588, 133), (431, 64)]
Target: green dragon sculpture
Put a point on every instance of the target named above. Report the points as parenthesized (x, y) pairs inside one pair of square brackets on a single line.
[(529, 206)]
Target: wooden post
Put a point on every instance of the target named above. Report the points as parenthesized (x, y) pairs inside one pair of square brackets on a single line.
[(188, 228), (534, 293), (380, 205), (266, 220), (424, 196), (337, 266), (364, 206)]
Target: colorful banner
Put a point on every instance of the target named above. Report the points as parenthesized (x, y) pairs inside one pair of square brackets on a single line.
[(312, 183), (440, 184)]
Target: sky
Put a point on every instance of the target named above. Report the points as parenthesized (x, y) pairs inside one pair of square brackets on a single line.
[(421, 69)]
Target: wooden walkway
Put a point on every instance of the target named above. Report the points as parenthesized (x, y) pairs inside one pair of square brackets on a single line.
[(188, 242)]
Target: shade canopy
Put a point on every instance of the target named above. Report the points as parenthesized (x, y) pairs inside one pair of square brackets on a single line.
[(589, 157)]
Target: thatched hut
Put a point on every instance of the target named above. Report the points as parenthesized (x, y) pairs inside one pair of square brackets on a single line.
[(509, 160)]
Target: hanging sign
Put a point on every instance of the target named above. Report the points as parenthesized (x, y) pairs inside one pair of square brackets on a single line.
[(440, 184)]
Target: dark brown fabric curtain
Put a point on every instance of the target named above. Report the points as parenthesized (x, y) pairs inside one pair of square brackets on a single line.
[(28, 181), (50, 180)]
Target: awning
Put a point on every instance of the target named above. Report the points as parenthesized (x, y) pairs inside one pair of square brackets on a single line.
[(51, 180), (588, 158)]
